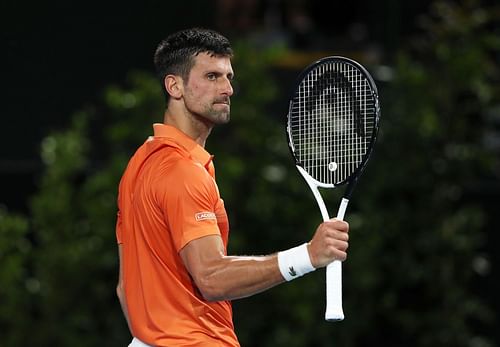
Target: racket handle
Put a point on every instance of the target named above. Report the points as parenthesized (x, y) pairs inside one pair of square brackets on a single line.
[(334, 310)]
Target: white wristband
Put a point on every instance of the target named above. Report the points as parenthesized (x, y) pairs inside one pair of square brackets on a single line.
[(295, 262)]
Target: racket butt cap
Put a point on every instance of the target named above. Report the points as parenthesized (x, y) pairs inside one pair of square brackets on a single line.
[(334, 317)]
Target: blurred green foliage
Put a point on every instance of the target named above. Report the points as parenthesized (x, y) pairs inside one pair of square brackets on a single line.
[(417, 227)]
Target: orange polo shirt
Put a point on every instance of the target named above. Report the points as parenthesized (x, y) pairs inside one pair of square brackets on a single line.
[(168, 197)]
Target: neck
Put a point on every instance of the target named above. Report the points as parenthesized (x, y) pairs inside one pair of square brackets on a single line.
[(195, 127)]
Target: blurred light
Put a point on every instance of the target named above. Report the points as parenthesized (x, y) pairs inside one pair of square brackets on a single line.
[(274, 173), (478, 341), (491, 140), (383, 73), (481, 265), (49, 146), (32, 285), (128, 100)]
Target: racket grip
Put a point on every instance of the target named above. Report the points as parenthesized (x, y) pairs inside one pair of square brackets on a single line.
[(334, 310)]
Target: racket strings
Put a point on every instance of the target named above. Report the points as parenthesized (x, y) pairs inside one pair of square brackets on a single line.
[(331, 121)]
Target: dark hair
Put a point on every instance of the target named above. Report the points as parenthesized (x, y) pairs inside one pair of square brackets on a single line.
[(175, 54)]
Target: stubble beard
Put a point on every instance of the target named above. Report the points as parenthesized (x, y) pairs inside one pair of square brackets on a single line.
[(218, 117), (212, 115)]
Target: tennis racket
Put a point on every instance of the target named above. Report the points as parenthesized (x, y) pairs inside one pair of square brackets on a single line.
[(332, 125)]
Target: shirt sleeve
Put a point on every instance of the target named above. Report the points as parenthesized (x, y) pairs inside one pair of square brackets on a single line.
[(189, 197)]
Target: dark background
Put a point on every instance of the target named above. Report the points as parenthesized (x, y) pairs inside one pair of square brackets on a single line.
[(57, 57)]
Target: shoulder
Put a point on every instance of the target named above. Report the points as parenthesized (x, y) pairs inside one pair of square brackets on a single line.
[(178, 166), (178, 176)]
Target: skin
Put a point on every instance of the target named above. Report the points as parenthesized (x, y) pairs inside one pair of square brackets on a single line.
[(201, 102), (195, 106)]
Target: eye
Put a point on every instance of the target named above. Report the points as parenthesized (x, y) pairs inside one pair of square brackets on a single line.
[(211, 76)]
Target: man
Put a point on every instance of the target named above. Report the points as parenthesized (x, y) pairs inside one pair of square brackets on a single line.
[(176, 280)]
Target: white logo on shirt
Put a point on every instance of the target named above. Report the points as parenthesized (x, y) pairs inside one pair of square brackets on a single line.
[(204, 215)]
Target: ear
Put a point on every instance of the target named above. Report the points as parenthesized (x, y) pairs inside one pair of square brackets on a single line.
[(174, 86)]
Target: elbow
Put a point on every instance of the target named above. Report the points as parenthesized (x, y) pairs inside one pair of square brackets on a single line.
[(210, 289)]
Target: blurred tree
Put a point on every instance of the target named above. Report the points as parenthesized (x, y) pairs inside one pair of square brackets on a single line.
[(416, 231), (426, 260), (16, 279), (73, 218)]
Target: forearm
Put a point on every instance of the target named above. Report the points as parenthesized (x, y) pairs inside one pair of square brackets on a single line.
[(221, 277), (234, 277)]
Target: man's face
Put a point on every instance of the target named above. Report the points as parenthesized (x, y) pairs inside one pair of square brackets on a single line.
[(208, 90)]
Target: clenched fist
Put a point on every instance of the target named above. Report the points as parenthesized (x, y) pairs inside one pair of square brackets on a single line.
[(329, 243)]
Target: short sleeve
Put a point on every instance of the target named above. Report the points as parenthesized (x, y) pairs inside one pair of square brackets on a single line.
[(189, 197)]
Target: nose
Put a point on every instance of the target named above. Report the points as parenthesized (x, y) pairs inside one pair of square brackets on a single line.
[(227, 87)]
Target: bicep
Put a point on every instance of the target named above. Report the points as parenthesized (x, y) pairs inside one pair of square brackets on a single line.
[(201, 255)]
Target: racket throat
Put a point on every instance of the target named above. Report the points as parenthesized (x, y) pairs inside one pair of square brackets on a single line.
[(314, 189), (342, 208), (345, 199)]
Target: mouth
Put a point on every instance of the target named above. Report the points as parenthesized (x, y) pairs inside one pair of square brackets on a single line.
[(224, 101)]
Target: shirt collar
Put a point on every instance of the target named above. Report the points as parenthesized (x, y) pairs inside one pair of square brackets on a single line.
[(182, 140)]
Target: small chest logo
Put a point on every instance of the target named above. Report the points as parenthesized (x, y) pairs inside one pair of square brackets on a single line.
[(204, 215)]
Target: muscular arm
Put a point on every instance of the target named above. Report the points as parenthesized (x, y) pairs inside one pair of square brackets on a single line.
[(221, 277)]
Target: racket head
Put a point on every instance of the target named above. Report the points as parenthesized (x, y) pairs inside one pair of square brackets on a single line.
[(333, 120)]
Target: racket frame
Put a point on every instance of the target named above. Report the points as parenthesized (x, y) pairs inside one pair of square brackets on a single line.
[(334, 310)]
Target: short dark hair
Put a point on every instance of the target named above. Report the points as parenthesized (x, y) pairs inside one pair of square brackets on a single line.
[(175, 54)]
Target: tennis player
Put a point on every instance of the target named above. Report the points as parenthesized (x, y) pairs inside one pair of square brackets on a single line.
[(176, 280)]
